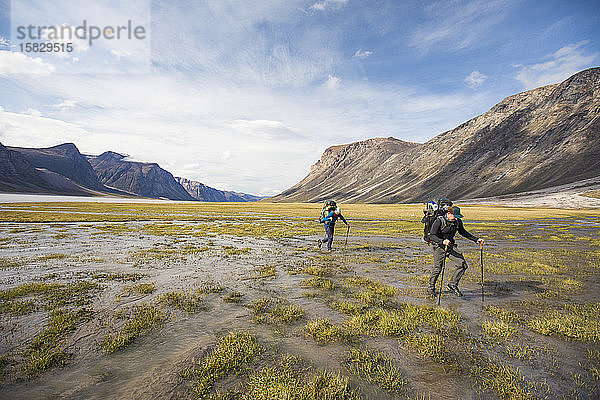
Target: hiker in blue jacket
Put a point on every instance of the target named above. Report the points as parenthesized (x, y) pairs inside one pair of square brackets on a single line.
[(328, 218)]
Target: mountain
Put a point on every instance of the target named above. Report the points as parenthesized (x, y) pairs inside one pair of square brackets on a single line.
[(533, 140), (143, 179), (18, 173), (200, 191), (65, 160), (63, 169), (25, 171)]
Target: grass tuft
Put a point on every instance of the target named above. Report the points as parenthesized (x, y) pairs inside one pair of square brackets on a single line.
[(376, 368), (575, 321), (231, 354), (275, 311), (47, 349), (143, 288), (141, 320), (498, 330), (189, 301), (324, 331)]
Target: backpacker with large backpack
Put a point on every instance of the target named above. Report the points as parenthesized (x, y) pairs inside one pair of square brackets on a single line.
[(432, 211), (328, 207)]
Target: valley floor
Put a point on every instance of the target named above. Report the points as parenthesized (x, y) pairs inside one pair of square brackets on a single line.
[(234, 301), (577, 195)]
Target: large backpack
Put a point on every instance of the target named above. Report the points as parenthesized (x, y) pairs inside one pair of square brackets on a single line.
[(328, 206), (432, 211)]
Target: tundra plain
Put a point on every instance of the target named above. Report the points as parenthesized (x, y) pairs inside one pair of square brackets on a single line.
[(234, 301)]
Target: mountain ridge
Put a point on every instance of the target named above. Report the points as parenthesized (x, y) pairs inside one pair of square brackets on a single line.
[(202, 192), (63, 170), (531, 140)]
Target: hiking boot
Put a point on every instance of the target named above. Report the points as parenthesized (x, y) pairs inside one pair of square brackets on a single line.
[(431, 292), (454, 289), (319, 243)]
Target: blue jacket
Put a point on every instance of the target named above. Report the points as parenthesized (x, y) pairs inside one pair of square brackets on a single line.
[(332, 217)]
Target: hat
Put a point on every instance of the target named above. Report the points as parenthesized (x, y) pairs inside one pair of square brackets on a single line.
[(456, 211)]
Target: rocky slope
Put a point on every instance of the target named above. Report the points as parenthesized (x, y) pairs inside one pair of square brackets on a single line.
[(533, 140), (143, 179), (65, 160), (201, 192), (22, 170)]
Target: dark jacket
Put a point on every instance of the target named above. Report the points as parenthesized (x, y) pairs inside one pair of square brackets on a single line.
[(332, 217), (443, 229)]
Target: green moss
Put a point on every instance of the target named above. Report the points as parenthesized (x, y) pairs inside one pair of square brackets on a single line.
[(140, 321), (376, 368)]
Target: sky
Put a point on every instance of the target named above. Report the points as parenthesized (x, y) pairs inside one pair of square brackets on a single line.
[(246, 95)]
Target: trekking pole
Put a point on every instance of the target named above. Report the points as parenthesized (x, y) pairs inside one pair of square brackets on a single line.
[(442, 278), (481, 257), (347, 232)]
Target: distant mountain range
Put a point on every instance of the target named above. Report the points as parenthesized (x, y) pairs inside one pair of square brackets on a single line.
[(201, 192), (64, 170), (533, 140)]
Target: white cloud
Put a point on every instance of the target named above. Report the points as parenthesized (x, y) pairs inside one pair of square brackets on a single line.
[(61, 20), (332, 83), (362, 54), (65, 104), (120, 54), (33, 112), (18, 63), (458, 25), (30, 129), (274, 134), (231, 104), (263, 129), (475, 79), (563, 63), (64, 34), (328, 4), (3, 41)]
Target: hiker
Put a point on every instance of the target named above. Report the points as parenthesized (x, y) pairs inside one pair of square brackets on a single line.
[(331, 212), (442, 234)]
